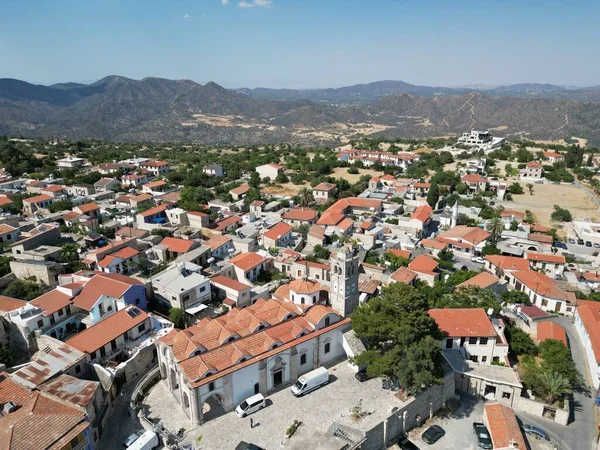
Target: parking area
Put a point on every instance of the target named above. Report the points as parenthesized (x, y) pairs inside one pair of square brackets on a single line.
[(317, 411)]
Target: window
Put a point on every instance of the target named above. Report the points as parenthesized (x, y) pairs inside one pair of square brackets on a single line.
[(302, 300), (496, 359), (74, 442), (60, 312), (52, 319), (474, 358), (102, 352), (203, 288), (314, 299), (77, 368), (327, 347), (137, 301), (483, 358), (303, 359), (93, 355), (483, 341), (472, 340), (211, 386), (40, 323), (113, 345), (185, 298), (142, 327), (327, 320), (506, 395)]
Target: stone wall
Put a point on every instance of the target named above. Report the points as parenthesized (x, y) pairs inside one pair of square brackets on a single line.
[(140, 363), (535, 408), (412, 414)]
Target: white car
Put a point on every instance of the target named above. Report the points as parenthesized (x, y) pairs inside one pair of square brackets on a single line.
[(478, 259)]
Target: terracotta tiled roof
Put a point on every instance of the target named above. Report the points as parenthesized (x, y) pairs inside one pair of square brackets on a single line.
[(176, 245), (38, 199), (4, 229), (508, 262), (368, 284), (503, 427), (551, 330), (52, 301), (11, 391), (153, 163), (482, 280), (300, 214), (473, 235), (553, 155), (545, 238), (156, 210), (87, 207), (589, 314), (100, 334), (540, 229), (129, 232), (422, 213), (373, 266), (240, 190), (534, 165), (331, 218), (403, 275), (302, 286), (398, 252), (315, 265), (420, 185), (533, 312), (278, 231), (324, 187), (10, 304), (423, 264), (143, 197), (542, 285), (512, 213), (430, 243), (4, 200), (345, 224), (229, 283), (546, 257), (102, 284), (228, 221), (593, 277), (247, 261), (53, 188), (463, 322), (474, 178), (155, 184), (217, 241)]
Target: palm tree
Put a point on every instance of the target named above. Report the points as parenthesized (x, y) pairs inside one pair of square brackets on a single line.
[(496, 227), (554, 385), (69, 252), (305, 197)]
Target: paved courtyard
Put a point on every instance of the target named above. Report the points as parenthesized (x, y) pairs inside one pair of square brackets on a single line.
[(316, 410)]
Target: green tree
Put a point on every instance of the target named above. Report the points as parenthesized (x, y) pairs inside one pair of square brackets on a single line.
[(460, 276), (6, 356), (553, 386), (24, 290), (530, 188), (320, 252), (402, 339), (305, 197), (395, 261), (468, 297), (254, 181), (433, 195), (515, 297), (495, 227), (177, 317), (60, 205), (557, 358), (561, 215), (515, 188), (519, 341), (490, 249)]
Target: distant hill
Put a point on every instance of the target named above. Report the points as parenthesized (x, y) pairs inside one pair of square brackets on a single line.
[(157, 109)]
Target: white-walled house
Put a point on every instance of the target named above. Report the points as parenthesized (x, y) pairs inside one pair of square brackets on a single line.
[(543, 292), (471, 331), (253, 350), (587, 323), (269, 171)]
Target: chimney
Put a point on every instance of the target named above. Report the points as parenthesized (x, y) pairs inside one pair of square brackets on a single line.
[(9, 408)]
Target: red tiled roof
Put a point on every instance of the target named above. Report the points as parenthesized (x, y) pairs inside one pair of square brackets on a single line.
[(100, 334), (512, 213), (324, 187), (4, 200), (482, 280), (302, 286), (155, 184), (593, 277), (533, 312), (154, 164), (226, 222), (240, 190), (551, 330), (331, 218), (589, 313), (10, 304), (546, 257), (542, 285), (423, 264), (345, 224), (369, 285), (403, 275), (398, 252), (473, 235), (176, 245), (300, 214), (113, 285), (218, 241), (247, 261), (503, 427), (38, 199), (553, 155), (87, 207), (278, 231), (4, 229), (463, 322), (430, 243), (534, 165), (420, 185), (229, 283), (372, 266), (473, 178), (545, 238), (156, 210), (508, 262), (11, 391), (52, 301), (53, 188)]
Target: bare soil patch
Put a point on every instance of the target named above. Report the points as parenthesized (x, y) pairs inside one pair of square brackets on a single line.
[(342, 172)]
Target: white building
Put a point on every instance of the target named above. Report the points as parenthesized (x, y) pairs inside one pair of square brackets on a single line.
[(588, 231), (470, 330), (269, 171), (70, 162), (183, 287), (214, 170), (543, 292), (479, 139), (587, 323)]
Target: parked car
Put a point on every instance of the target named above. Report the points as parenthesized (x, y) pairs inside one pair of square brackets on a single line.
[(250, 405), (246, 446), (478, 259), (536, 431), (147, 441), (596, 244), (571, 241), (132, 438), (433, 434), (405, 444), (310, 381), (492, 203), (362, 376), (588, 243), (484, 440), (580, 241), (559, 244)]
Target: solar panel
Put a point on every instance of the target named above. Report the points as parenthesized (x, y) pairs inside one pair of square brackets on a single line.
[(133, 312)]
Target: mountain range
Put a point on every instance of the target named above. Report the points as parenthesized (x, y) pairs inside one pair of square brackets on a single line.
[(154, 109)]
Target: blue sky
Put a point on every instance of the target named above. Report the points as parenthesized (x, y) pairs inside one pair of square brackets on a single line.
[(303, 43)]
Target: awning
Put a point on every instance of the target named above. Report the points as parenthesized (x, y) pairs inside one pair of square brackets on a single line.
[(192, 310), (159, 220)]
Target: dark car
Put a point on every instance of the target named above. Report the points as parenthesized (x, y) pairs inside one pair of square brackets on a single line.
[(245, 446), (362, 376), (484, 439), (536, 431), (588, 243), (433, 434), (559, 244), (580, 241), (405, 444)]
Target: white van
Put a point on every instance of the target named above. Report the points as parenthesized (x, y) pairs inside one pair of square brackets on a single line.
[(146, 441), (250, 405), (310, 381)]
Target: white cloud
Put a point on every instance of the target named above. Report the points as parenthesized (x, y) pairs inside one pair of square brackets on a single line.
[(225, 2), (187, 16), (253, 3)]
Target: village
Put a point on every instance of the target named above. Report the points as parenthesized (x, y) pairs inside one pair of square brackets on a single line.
[(436, 287)]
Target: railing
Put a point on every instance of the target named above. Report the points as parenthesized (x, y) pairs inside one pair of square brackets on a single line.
[(146, 380)]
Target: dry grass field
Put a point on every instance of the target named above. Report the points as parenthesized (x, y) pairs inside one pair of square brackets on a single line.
[(342, 172)]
